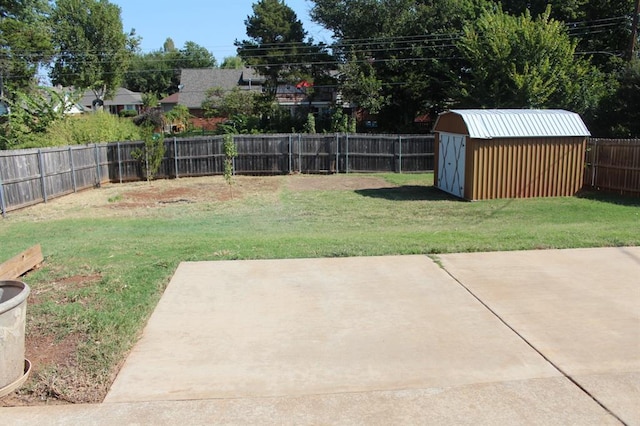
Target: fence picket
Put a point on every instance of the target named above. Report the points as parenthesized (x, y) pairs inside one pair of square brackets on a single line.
[(3, 203)]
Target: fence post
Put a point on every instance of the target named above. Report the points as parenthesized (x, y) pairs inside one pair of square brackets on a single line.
[(175, 156), (42, 176), (233, 159), (400, 154), (119, 162), (290, 156), (73, 171), (3, 203), (337, 153), (299, 152), (98, 172), (346, 154)]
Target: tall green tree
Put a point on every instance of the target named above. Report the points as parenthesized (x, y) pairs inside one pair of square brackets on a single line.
[(158, 72), (25, 43), (232, 63), (219, 103), (93, 51), (406, 45), (169, 45), (192, 55), (561, 10), (619, 112), (521, 62), (278, 47), (152, 72), (602, 28), (360, 86)]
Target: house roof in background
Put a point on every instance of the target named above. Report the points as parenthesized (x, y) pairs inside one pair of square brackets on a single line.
[(171, 99), (506, 123), (195, 82), (122, 97)]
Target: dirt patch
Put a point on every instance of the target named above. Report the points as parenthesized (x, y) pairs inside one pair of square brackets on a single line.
[(53, 360), (55, 357), (146, 198)]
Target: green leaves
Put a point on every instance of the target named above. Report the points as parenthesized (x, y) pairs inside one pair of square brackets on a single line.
[(218, 103), (277, 47), (24, 43), (93, 50), (521, 62), (230, 152)]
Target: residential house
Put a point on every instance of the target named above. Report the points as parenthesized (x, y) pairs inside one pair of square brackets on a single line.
[(67, 96), (124, 99), (194, 84)]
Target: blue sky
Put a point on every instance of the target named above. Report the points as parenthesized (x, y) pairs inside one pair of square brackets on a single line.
[(213, 24)]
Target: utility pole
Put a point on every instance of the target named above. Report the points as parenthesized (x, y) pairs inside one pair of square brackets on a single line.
[(634, 31)]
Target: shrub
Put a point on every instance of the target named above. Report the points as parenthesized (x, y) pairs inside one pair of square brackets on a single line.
[(127, 113), (91, 128)]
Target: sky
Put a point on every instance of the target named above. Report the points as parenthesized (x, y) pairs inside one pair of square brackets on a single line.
[(213, 24)]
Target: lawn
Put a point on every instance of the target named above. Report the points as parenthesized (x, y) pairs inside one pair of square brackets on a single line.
[(109, 252)]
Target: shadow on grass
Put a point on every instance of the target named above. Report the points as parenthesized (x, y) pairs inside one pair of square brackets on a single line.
[(609, 197), (408, 193)]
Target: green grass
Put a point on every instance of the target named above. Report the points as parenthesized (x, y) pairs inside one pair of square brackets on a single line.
[(134, 257)]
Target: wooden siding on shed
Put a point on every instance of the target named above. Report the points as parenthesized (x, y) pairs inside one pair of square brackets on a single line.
[(524, 167)]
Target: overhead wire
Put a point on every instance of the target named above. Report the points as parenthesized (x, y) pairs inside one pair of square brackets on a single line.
[(370, 46)]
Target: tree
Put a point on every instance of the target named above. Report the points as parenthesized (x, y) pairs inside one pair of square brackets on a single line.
[(521, 62), (561, 10), (153, 72), (277, 46), (158, 71), (192, 55), (602, 27), (235, 102), (150, 101), (25, 43), (403, 48), (232, 62), (361, 87), (169, 45), (92, 50), (152, 152), (619, 112), (179, 116), (32, 113)]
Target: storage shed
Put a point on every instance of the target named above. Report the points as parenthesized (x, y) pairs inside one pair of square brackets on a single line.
[(509, 153)]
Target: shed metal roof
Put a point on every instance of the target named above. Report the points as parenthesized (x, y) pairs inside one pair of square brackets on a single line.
[(508, 123)]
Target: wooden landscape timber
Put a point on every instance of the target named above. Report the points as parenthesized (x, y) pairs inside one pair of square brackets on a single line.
[(21, 263)]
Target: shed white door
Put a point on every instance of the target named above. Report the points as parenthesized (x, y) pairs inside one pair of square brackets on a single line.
[(451, 150)]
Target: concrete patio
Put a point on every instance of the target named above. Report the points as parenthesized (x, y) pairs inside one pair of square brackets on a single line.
[(530, 337)]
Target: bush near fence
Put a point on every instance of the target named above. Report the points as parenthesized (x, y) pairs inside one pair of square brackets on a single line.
[(32, 176)]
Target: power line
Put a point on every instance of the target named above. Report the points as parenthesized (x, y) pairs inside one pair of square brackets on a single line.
[(396, 45), (578, 27)]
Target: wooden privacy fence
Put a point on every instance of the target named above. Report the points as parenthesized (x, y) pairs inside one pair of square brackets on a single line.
[(33, 176), (280, 154), (613, 165)]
